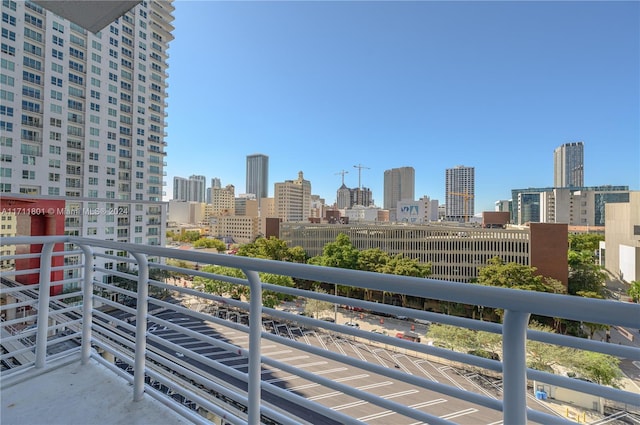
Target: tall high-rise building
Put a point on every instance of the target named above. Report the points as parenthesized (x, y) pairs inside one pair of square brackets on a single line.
[(460, 189), (568, 165), (258, 175), (216, 183), (189, 190), (344, 197), (198, 188), (348, 198), (83, 116), (399, 185), (180, 189), (293, 199)]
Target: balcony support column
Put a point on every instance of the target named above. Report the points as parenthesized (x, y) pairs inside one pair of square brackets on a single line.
[(141, 325), (514, 363), (43, 304), (255, 331), (87, 303)]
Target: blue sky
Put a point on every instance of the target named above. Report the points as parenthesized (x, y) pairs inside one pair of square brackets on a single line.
[(322, 86)]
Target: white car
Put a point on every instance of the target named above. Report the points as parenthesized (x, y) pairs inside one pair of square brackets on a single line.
[(353, 324)]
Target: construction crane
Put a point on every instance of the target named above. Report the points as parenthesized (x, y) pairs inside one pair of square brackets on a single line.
[(343, 172), (360, 167), (466, 197)]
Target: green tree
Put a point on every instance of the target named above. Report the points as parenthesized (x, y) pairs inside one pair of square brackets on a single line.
[(273, 249), (543, 356), (272, 298), (634, 291), (221, 287), (484, 344), (190, 236), (372, 260), (585, 242), (403, 266), (584, 274), (313, 307), (451, 337), (217, 244), (516, 276), (341, 254), (600, 368)]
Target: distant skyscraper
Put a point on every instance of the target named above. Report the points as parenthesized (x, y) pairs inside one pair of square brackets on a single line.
[(189, 190), (215, 184), (399, 185), (568, 165), (361, 196), (460, 192), (258, 175), (180, 189), (198, 188), (344, 197)]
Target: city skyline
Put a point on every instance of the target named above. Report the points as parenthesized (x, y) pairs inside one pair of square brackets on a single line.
[(430, 85)]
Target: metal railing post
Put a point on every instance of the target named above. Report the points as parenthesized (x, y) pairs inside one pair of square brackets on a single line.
[(87, 303), (255, 331), (514, 366), (141, 325), (43, 304)]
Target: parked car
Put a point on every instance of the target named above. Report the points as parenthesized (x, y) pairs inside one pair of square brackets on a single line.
[(353, 324), (409, 336)]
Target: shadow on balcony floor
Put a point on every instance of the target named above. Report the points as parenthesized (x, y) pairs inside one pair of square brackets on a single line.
[(84, 395)]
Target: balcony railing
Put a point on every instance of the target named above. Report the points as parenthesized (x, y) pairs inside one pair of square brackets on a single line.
[(249, 363)]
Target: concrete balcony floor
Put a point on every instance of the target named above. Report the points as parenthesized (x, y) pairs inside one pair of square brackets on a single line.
[(75, 394)]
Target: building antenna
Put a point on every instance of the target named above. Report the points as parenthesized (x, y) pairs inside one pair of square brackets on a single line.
[(360, 167), (343, 172)]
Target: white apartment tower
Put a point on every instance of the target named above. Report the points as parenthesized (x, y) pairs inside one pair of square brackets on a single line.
[(568, 165), (293, 199), (258, 175), (83, 117), (459, 191)]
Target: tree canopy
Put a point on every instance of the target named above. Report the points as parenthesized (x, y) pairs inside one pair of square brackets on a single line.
[(217, 244), (584, 274), (223, 288), (341, 254), (273, 249), (600, 368), (585, 242), (516, 276), (634, 291)]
